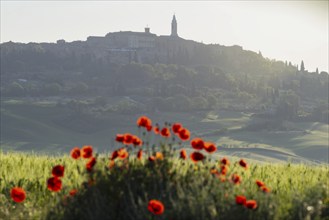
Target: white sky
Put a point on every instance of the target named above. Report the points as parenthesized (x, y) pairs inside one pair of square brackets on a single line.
[(281, 30)]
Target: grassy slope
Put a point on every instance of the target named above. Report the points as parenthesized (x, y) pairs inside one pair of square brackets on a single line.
[(294, 189), (27, 127)]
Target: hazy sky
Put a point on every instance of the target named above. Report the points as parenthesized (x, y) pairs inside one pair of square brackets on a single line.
[(281, 30)]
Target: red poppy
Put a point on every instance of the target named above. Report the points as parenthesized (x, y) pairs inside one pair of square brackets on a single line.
[(243, 163), (120, 138), (165, 132), (184, 134), (225, 161), (265, 189), (240, 200), (114, 155), (144, 121), (151, 158), (75, 153), (196, 156), (58, 171), (236, 179), (122, 153), (210, 147), (54, 184), (260, 183), (17, 194), (128, 139), (87, 151), (149, 128), (139, 154), (156, 130), (176, 127), (137, 141), (156, 207), (73, 192), (214, 171), (251, 204), (183, 154), (91, 163), (197, 143), (158, 156), (223, 169)]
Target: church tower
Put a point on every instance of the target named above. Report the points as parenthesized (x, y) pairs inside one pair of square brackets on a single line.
[(174, 27)]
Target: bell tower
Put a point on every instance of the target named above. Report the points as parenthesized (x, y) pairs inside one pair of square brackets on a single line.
[(174, 27)]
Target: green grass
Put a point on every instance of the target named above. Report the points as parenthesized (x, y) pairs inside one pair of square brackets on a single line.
[(31, 126), (188, 191)]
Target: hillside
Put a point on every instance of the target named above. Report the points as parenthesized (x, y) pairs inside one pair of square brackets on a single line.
[(56, 96), (49, 128)]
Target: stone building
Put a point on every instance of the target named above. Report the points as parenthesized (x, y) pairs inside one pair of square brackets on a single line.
[(144, 47)]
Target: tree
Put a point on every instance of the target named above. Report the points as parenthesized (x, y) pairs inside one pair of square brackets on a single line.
[(79, 88), (288, 106), (302, 68), (51, 89), (15, 89), (199, 103)]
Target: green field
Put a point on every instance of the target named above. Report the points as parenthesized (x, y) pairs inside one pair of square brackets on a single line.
[(297, 191), (42, 126), (187, 189)]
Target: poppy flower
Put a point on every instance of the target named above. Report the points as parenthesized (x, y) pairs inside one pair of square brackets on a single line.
[(265, 189), (210, 147), (114, 155), (183, 154), (197, 143), (91, 163), (165, 132), (75, 153), (223, 169), (54, 184), (58, 171), (156, 130), (158, 156), (122, 153), (214, 171), (73, 192), (196, 156), (17, 194), (119, 137), (184, 134), (87, 151), (260, 183), (156, 207), (240, 200), (225, 161), (149, 128), (176, 127), (151, 158), (111, 164), (144, 121), (243, 163), (236, 179), (139, 154), (128, 139), (137, 141), (251, 204)]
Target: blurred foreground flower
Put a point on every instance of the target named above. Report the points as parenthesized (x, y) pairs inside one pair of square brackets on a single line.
[(156, 207), (18, 194)]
